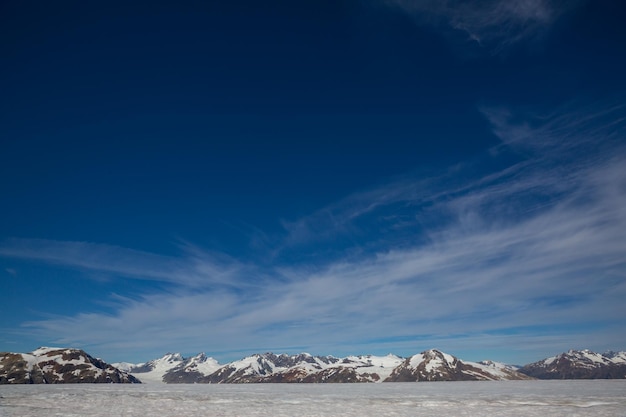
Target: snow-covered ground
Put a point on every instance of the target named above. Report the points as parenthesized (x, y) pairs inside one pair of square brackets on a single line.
[(502, 398)]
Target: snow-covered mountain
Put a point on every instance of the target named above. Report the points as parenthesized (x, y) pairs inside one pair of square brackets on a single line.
[(304, 367), (431, 365), (579, 364), (172, 368), (56, 366), (191, 369), (434, 365), (266, 367), (618, 358), (152, 371), (60, 365)]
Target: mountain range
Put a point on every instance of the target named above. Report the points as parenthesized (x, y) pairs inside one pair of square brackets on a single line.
[(64, 365)]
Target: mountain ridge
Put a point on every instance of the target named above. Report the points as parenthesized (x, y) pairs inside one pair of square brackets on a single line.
[(67, 365), (269, 367), (430, 365)]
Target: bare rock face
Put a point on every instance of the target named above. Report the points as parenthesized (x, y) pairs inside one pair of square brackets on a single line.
[(58, 366), (579, 364)]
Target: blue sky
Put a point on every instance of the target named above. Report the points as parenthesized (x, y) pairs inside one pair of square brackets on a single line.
[(336, 177)]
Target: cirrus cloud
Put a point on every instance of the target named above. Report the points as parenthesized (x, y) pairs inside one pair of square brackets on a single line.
[(493, 24)]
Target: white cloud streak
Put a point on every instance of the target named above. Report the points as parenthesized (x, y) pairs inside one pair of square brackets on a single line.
[(493, 24), (196, 269)]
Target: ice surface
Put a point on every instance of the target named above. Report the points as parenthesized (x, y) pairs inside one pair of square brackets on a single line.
[(44, 349), (124, 366), (502, 398), (416, 360), (618, 357), (448, 358), (549, 360)]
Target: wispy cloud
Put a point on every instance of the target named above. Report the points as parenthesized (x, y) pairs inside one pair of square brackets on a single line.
[(531, 248), (493, 24), (196, 268)]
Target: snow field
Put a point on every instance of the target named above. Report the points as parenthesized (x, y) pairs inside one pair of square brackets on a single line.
[(501, 398)]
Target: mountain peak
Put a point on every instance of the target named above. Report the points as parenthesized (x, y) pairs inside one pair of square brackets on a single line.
[(579, 364), (435, 365), (57, 366), (173, 357)]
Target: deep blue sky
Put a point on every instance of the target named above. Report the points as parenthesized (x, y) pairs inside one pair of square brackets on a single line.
[(327, 176)]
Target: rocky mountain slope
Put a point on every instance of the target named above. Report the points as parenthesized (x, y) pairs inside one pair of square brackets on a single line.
[(434, 365), (579, 364), (58, 366)]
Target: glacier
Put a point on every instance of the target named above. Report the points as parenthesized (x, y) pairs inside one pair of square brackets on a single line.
[(596, 398)]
